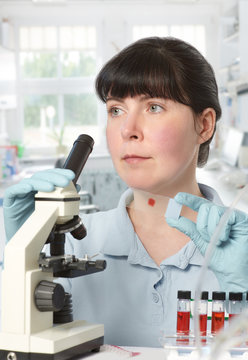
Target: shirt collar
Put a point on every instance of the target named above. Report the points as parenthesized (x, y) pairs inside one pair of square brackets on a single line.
[(210, 194), (189, 254)]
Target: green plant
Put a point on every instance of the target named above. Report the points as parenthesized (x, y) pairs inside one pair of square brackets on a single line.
[(58, 134)]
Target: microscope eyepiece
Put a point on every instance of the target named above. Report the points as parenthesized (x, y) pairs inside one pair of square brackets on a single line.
[(79, 154)]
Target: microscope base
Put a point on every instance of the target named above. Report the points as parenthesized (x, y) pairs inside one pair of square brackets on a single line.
[(93, 345), (61, 342)]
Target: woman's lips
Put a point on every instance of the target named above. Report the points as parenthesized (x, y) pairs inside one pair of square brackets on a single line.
[(134, 159)]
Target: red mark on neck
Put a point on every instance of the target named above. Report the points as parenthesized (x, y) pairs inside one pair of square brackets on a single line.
[(151, 202)]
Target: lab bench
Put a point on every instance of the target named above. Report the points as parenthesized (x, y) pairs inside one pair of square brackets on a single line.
[(109, 352)]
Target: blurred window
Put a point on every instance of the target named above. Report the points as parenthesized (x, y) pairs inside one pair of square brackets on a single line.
[(152, 30), (193, 34), (80, 109), (57, 70), (40, 119), (38, 52)]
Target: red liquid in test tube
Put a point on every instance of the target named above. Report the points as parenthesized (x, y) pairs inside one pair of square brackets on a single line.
[(218, 319), (183, 321), (203, 324), (218, 311), (203, 311)]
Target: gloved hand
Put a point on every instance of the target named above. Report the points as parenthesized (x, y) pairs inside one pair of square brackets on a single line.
[(229, 260), (18, 202)]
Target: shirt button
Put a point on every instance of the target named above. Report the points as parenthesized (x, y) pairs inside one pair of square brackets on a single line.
[(155, 297)]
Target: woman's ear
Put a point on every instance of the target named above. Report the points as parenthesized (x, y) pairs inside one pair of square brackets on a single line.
[(206, 124)]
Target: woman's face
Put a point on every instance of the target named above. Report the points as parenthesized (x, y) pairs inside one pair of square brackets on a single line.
[(153, 142)]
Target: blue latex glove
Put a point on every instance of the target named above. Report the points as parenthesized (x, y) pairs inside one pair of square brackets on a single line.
[(229, 259), (18, 202)]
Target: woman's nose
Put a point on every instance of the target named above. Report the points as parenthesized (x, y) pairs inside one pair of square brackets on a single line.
[(131, 128)]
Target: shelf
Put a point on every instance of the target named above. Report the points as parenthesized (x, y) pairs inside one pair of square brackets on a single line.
[(231, 67), (232, 38), (4, 49)]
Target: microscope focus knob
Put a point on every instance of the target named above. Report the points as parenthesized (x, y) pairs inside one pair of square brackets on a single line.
[(49, 296)]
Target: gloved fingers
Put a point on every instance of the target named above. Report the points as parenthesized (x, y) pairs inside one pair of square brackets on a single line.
[(238, 218), (192, 201), (57, 177), (237, 225), (188, 227), (40, 184), (48, 179), (26, 186), (18, 190), (208, 218), (40, 181)]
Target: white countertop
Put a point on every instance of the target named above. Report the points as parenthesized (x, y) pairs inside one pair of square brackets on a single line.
[(109, 352)]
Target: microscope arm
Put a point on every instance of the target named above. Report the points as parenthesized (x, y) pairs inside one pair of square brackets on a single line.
[(20, 258)]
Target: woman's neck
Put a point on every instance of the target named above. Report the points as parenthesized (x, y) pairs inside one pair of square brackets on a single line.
[(147, 213), (157, 200)]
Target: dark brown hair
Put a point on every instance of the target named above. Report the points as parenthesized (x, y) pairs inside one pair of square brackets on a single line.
[(166, 68)]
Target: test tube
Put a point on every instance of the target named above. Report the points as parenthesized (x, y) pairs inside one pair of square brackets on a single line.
[(235, 304), (183, 312), (203, 313), (218, 311)]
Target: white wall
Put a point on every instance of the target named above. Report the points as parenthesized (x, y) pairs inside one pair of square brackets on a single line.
[(115, 18)]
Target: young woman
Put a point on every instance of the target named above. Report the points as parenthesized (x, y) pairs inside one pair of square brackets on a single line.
[(162, 103)]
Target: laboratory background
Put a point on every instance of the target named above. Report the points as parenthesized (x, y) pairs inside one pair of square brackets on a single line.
[(50, 53)]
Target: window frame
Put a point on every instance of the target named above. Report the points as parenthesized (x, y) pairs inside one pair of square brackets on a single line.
[(57, 86)]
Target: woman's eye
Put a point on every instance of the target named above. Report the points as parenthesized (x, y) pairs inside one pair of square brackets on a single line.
[(115, 111), (155, 108)]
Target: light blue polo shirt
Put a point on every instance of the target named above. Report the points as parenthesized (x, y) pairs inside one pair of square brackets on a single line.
[(134, 298)]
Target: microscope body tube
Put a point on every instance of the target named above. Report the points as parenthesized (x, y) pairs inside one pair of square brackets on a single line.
[(79, 154)]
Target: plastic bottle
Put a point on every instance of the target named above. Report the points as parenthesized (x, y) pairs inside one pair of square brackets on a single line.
[(235, 304), (218, 311), (183, 312)]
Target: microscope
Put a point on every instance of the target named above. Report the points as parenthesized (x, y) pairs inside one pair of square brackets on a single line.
[(37, 320)]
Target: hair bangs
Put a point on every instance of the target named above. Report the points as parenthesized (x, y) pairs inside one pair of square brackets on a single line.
[(134, 77)]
